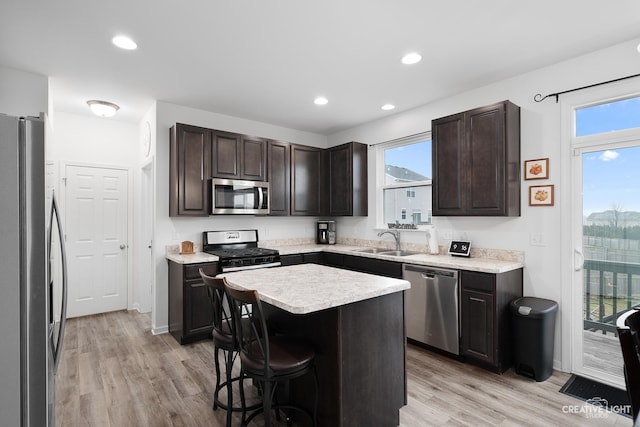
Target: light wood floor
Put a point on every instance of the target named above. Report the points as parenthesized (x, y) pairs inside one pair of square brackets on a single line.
[(114, 372), (602, 352)]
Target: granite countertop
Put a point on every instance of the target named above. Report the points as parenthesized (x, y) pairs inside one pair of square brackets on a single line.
[(487, 262), (288, 287)]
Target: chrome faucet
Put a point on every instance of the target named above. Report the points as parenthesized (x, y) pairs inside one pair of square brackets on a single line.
[(395, 234)]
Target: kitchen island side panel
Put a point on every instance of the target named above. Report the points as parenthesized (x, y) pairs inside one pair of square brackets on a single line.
[(361, 357)]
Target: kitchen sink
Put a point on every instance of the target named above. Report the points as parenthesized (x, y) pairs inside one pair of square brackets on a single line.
[(397, 253), (371, 250)]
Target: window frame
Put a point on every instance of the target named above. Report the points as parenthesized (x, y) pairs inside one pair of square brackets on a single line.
[(381, 172)]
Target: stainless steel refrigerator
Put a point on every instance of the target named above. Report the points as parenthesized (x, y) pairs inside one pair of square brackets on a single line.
[(32, 278)]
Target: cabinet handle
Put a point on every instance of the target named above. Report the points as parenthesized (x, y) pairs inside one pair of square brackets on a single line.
[(476, 299)]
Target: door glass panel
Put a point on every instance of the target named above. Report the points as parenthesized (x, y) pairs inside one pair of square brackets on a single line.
[(611, 246)]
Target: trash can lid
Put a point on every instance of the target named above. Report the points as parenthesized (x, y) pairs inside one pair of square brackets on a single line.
[(532, 306)]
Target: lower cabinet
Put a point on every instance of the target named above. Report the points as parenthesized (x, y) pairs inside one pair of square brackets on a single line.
[(485, 318), (190, 315), (305, 258), (380, 267)]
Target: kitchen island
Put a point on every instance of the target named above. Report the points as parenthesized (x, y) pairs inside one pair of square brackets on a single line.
[(356, 323)]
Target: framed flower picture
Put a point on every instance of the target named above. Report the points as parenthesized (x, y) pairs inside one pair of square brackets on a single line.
[(541, 195), (536, 169)]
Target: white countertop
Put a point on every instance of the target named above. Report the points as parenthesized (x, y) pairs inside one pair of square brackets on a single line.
[(191, 258), (305, 288), (481, 264)]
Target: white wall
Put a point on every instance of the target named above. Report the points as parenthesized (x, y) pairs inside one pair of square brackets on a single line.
[(545, 275), (169, 231), (23, 93)]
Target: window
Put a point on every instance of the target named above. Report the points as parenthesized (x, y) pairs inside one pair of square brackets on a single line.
[(406, 187), (608, 117)]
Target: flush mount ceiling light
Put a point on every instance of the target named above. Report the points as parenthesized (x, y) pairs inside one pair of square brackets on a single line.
[(124, 42), (388, 107), (102, 108), (321, 100), (411, 58)]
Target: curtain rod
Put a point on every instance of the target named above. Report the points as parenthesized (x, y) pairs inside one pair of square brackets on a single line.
[(398, 139), (540, 98)]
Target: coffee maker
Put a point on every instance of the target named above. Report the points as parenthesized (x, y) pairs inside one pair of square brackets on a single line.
[(326, 233)]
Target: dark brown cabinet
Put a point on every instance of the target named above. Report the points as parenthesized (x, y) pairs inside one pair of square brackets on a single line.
[(476, 162), (190, 148), (303, 180), (347, 187), (190, 315), (485, 318), (236, 156), (278, 155), (306, 180)]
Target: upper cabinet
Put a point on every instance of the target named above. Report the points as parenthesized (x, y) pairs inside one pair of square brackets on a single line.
[(190, 148), (236, 156), (347, 187), (303, 180), (306, 180), (278, 155), (476, 162)]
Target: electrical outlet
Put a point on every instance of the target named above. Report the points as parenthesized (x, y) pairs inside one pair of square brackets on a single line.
[(536, 239)]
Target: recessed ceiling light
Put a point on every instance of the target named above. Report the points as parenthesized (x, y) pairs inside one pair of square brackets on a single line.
[(321, 100), (124, 42), (387, 107), (102, 108), (411, 58)]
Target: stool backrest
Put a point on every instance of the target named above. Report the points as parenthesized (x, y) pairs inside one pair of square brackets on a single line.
[(251, 328), (222, 314), (628, 326)]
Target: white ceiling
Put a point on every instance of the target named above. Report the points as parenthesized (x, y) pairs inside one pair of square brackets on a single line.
[(266, 60)]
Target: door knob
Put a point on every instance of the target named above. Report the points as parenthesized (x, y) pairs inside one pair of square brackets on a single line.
[(122, 246)]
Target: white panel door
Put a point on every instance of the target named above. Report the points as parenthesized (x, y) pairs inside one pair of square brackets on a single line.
[(96, 238)]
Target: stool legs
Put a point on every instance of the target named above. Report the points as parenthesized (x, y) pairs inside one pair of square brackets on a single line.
[(228, 383)]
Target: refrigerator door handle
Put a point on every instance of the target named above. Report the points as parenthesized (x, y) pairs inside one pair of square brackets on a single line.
[(57, 346)]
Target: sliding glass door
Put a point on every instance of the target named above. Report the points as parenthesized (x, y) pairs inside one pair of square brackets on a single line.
[(606, 215)]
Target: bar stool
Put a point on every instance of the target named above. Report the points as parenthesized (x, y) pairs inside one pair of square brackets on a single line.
[(267, 359), (223, 340)]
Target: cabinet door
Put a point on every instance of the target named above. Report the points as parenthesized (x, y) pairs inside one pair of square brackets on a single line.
[(306, 167), (190, 148), (278, 156), (198, 314), (291, 259), (449, 167), (477, 325), (340, 180), (348, 180), (486, 161), (225, 155), (253, 159)]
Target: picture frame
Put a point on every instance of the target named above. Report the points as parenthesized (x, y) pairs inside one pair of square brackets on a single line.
[(541, 195), (536, 169)]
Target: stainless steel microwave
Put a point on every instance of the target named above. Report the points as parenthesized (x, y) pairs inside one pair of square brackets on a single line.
[(231, 196)]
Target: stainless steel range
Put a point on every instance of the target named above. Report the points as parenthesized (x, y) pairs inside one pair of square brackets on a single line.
[(238, 250)]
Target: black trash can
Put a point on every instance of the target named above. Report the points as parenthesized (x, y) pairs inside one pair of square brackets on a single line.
[(533, 330)]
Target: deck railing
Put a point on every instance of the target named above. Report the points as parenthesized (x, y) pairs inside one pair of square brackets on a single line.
[(616, 288)]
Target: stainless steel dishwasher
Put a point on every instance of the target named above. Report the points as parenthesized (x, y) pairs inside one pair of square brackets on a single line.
[(432, 306)]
